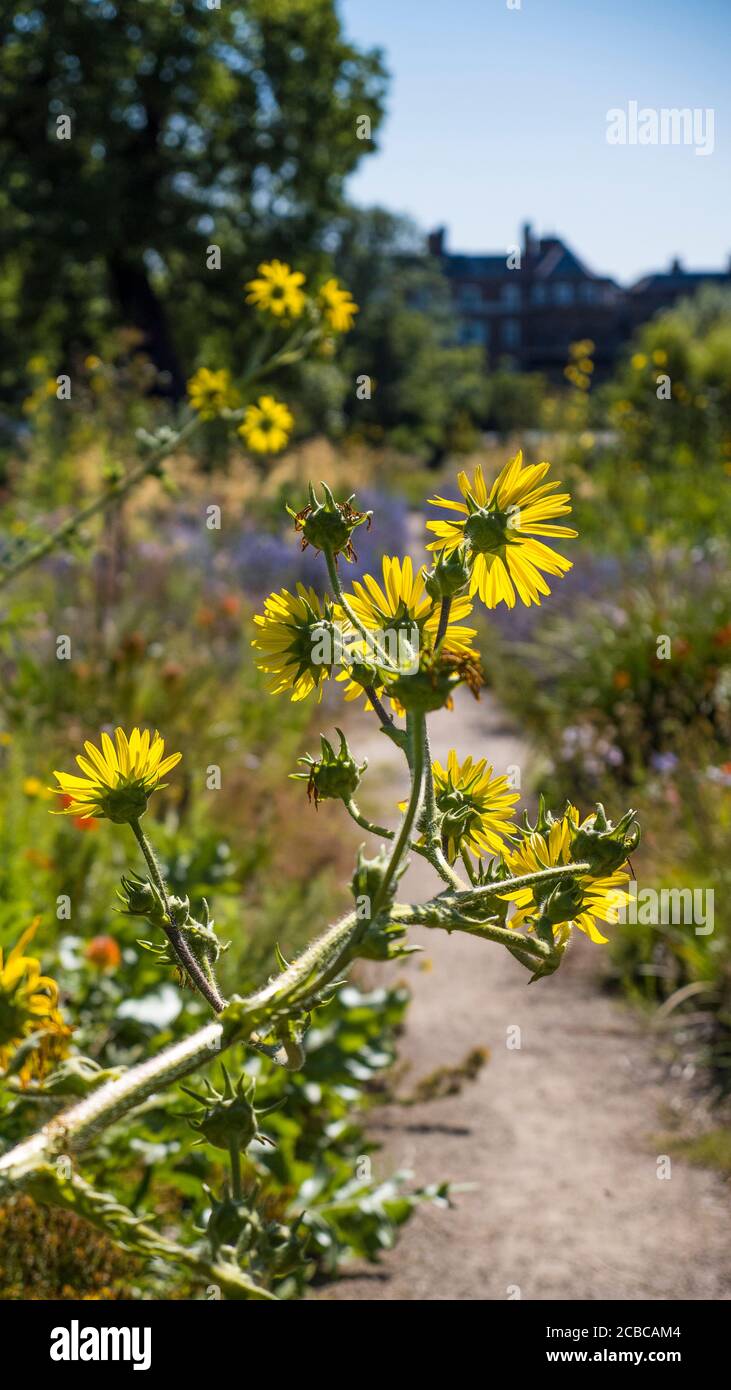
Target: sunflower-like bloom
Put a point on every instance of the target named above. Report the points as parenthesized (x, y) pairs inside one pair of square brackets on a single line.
[(598, 899), (278, 290), (338, 306), (266, 426), (211, 392), (500, 528), (29, 1005), (477, 807), (403, 616), (297, 641), (119, 779)]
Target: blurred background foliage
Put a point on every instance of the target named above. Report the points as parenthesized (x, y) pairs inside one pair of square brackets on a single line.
[(233, 127)]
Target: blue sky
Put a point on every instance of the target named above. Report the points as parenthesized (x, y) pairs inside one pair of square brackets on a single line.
[(496, 116)]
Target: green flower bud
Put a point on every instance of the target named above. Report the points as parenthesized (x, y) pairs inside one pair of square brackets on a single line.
[(329, 525), (228, 1117), (487, 530), (333, 776), (450, 574), (604, 846), (142, 899), (430, 688)]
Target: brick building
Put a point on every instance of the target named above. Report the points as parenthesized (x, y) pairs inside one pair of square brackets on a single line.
[(528, 307)]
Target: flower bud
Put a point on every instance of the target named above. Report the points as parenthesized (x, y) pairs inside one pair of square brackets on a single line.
[(604, 846), (228, 1117), (329, 525), (142, 899), (450, 574), (333, 776)]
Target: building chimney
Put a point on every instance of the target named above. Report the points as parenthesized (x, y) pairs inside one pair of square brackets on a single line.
[(435, 241), (676, 266), (529, 245)]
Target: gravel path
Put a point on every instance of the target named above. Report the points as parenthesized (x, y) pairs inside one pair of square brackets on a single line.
[(559, 1137)]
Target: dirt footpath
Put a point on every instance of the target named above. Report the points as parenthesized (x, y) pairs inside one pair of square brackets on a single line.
[(559, 1137)]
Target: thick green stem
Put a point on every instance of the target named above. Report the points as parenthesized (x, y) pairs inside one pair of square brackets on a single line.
[(443, 621), (368, 636), (234, 1157)]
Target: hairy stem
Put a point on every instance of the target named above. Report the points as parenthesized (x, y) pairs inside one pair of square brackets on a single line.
[(203, 980), (443, 621)]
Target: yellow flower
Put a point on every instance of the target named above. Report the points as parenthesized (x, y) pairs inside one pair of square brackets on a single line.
[(500, 528), (405, 616), (337, 306), (639, 361), (119, 780), (211, 392), (92, 363), (295, 630), (602, 897), (477, 807), (277, 290), (33, 786), (266, 426), (28, 1004)]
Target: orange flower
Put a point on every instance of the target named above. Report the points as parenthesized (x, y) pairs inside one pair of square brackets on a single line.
[(103, 952)]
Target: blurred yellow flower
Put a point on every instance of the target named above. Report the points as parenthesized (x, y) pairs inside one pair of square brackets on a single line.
[(33, 786), (211, 392), (338, 306), (277, 290), (266, 426), (118, 780), (639, 361), (29, 1005), (500, 527)]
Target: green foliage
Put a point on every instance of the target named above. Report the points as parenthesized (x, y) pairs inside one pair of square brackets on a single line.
[(189, 127)]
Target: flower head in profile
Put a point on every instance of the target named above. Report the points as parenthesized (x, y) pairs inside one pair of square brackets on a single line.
[(296, 641), (118, 779), (589, 900), (211, 392), (266, 426), (29, 1006), (338, 306), (501, 528), (404, 619), (277, 290), (476, 806)]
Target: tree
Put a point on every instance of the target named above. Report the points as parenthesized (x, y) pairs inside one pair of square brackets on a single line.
[(134, 135)]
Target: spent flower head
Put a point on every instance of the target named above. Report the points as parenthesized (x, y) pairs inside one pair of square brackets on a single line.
[(119, 778)]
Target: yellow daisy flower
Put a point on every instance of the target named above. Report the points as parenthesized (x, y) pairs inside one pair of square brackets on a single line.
[(29, 1004), (296, 640), (266, 426), (477, 807), (500, 527), (119, 780), (405, 616), (277, 290), (602, 897), (338, 306), (211, 392)]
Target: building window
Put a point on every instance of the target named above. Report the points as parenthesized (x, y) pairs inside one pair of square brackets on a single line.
[(511, 333), (563, 294), (539, 294), (511, 296), (588, 293), (472, 333), (470, 296)]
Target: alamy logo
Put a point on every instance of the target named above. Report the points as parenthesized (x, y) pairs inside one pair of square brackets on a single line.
[(666, 907), (77, 1343), (664, 125)]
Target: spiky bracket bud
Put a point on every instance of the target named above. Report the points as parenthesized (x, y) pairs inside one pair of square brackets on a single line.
[(450, 574), (604, 846), (333, 776), (228, 1117), (329, 525)]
